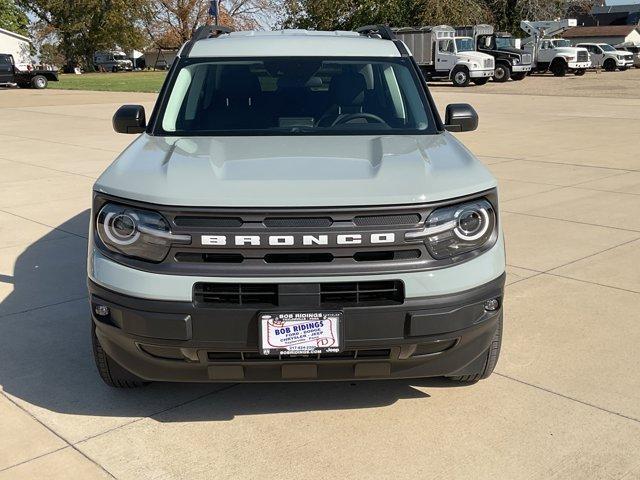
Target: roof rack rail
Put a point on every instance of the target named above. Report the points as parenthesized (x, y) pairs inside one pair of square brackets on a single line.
[(382, 31), (209, 31)]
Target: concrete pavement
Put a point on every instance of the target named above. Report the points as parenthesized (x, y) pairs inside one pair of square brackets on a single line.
[(563, 402)]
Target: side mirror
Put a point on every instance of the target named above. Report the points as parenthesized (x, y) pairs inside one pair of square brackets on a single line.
[(460, 117), (130, 119)]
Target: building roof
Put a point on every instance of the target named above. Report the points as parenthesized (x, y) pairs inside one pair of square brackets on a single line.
[(295, 43), (13, 34), (601, 31)]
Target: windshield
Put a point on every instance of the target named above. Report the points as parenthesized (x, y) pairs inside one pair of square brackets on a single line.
[(505, 42), (120, 57), (561, 43), (292, 96), (465, 44), (606, 48)]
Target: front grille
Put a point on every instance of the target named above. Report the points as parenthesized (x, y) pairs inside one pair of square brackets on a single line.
[(231, 357), (297, 222), (299, 258), (294, 242), (526, 58), (310, 257), (387, 256), (371, 220), (361, 293), (488, 63), (239, 294), (194, 257), (207, 222), (583, 56), (323, 295)]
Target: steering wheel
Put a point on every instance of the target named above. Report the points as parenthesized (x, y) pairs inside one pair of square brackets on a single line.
[(352, 116)]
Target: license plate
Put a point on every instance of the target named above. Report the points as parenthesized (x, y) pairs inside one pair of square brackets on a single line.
[(300, 333)]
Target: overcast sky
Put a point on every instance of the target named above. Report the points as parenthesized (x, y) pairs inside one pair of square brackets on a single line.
[(622, 2)]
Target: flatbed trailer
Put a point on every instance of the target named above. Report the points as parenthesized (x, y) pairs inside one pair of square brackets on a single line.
[(11, 76)]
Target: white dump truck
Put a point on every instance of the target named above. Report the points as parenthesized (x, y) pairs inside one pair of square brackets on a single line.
[(443, 55), (551, 53)]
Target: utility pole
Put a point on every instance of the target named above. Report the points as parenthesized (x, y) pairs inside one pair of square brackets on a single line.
[(214, 10)]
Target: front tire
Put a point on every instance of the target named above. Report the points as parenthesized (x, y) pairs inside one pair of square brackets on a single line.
[(460, 77), (502, 73), (480, 81), (492, 355), (559, 68), (111, 373), (580, 72), (39, 82), (610, 65), (518, 76)]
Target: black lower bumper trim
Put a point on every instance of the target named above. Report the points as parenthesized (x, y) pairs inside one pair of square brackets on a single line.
[(179, 341)]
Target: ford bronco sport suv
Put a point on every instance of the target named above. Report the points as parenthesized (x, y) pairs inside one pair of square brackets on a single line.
[(294, 209)]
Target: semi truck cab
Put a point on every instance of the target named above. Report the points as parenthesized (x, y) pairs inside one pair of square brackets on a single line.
[(510, 62), (443, 55)]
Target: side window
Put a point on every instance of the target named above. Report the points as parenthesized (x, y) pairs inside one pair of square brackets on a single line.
[(5, 60), (545, 45), (446, 46)]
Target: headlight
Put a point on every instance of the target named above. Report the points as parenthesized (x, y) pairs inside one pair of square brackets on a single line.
[(452, 231), (515, 61), (475, 65), (570, 59), (136, 233)]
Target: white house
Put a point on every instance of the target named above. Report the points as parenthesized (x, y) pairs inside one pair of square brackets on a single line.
[(17, 45)]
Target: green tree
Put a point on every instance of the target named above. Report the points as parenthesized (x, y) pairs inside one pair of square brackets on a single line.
[(82, 27), (349, 14), (12, 18)]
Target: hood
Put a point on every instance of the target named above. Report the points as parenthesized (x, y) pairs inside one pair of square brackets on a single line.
[(569, 50), (474, 56), (275, 171), (510, 50), (624, 53)]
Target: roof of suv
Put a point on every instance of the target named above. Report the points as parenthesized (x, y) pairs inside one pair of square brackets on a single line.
[(294, 43)]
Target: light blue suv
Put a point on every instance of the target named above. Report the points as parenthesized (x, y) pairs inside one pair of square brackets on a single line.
[(294, 209)]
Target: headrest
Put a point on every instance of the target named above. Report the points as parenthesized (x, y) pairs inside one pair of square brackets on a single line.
[(347, 89), (238, 81)]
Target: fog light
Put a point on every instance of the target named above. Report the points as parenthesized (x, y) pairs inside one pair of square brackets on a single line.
[(491, 305), (102, 310)]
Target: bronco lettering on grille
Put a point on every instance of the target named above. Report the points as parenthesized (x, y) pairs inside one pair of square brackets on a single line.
[(296, 240)]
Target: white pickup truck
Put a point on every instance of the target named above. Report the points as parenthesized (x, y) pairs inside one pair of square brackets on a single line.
[(605, 56)]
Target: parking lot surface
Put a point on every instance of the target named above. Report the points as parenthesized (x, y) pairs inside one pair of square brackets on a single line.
[(562, 404)]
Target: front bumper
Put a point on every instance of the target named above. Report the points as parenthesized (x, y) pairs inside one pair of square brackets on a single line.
[(481, 73), (579, 65), (179, 341), (521, 68), (626, 63)]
